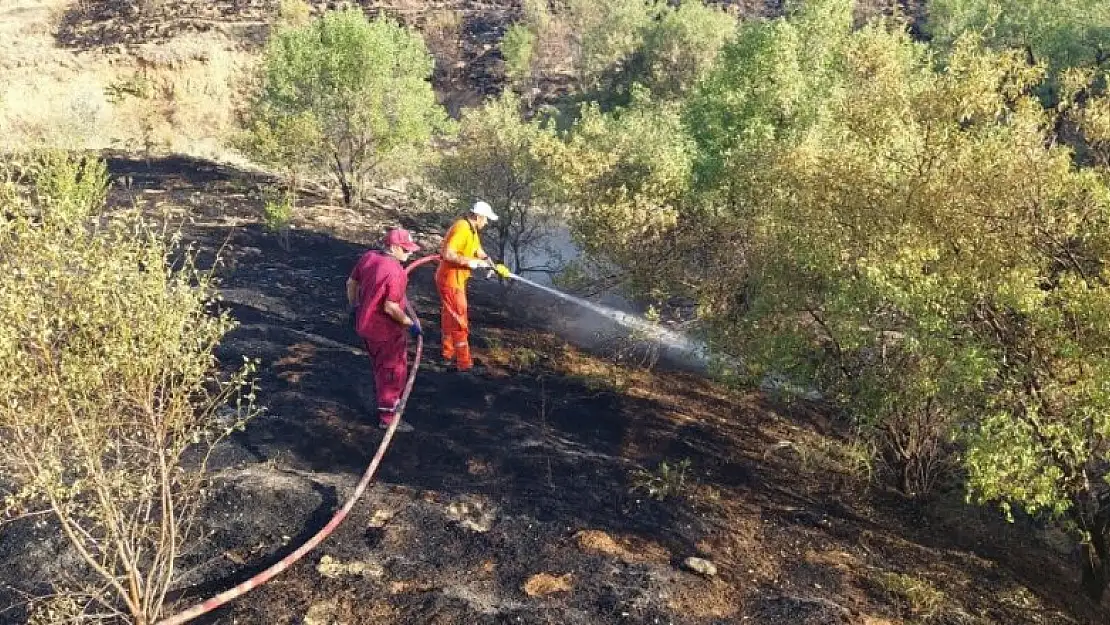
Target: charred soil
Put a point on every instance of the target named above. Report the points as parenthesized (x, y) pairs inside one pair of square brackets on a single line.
[(519, 496)]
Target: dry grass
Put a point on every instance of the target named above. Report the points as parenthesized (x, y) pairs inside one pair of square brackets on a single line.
[(918, 595), (627, 549), (839, 560), (409, 585), (701, 599), (544, 584), (600, 542), (350, 611), (172, 97)]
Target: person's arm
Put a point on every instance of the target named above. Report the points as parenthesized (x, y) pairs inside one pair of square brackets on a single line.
[(352, 293), (394, 295), (396, 313), (448, 251)]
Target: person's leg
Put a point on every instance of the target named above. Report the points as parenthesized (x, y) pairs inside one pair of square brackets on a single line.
[(390, 360), (447, 322), (459, 336)]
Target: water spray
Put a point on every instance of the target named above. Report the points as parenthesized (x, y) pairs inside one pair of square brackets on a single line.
[(651, 330)]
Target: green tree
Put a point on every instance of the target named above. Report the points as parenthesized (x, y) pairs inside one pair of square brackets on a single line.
[(913, 241), (1060, 33), (769, 86), (343, 96), (587, 39), (680, 46), (102, 419), (500, 159), (624, 175), (605, 34), (518, 47)]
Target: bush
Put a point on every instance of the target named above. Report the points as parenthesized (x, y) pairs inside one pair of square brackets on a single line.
[(667, 480), (594, 37), (343, 96), (110, 381), (680, 46), (278, 213), (911, 237), (518, 47), (624, 176), (1061, 34)]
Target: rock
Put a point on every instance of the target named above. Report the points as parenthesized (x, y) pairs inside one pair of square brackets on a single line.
[(476, 515), (700, 566), (331, 568)]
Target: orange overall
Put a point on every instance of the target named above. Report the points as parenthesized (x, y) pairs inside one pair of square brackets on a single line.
[(451, 280)]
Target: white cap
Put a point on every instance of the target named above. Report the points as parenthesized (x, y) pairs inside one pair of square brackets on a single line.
[(483, 210)]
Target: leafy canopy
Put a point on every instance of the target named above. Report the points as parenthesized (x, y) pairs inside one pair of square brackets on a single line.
[(343, 95)]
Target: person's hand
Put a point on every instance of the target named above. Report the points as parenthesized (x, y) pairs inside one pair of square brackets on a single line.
[(414, 330), (477, 263), (502, 270), (352, 317)]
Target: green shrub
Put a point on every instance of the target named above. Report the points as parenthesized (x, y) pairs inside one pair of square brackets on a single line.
[(345, 96), (667, 480), (110, 379)]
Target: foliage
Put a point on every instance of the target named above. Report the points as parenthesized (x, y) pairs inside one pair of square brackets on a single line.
[(585, 38), (343, 96), (500, 159), (1060, 34), (605, 34), (680, 46), (1085, 102), (624, 175), (667, 480), (278, 213), (921, 597), (518, 47), (607, 47), (770, 85), (294, 13), (909, 236), (821, 455), (98, 416)]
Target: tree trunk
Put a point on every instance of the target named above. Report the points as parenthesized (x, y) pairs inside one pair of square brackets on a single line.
[(1095, 556), (344, 182), (1095, 566)]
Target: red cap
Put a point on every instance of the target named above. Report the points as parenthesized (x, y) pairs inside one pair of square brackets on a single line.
[(402, 238)]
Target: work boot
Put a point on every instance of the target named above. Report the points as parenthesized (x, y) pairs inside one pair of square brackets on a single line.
[(476, 370), (437, 363)]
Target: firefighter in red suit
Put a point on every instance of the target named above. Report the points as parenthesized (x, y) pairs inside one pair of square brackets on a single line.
[(376, 293)]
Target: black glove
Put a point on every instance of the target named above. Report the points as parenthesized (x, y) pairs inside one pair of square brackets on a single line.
[(352, 317), (414, 330)]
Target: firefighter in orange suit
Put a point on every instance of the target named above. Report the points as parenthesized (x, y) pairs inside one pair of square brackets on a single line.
[(461, 253)]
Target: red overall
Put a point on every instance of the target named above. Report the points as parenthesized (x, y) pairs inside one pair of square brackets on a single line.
[(381, 278)]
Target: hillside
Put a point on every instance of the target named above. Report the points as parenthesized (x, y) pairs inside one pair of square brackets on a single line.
[(163, 76), (521, 497), (531, 471)]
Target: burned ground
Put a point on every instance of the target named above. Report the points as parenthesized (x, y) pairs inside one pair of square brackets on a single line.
[(515, 499)]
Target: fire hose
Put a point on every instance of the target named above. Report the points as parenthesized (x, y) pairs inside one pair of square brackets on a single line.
[(261, 578)]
